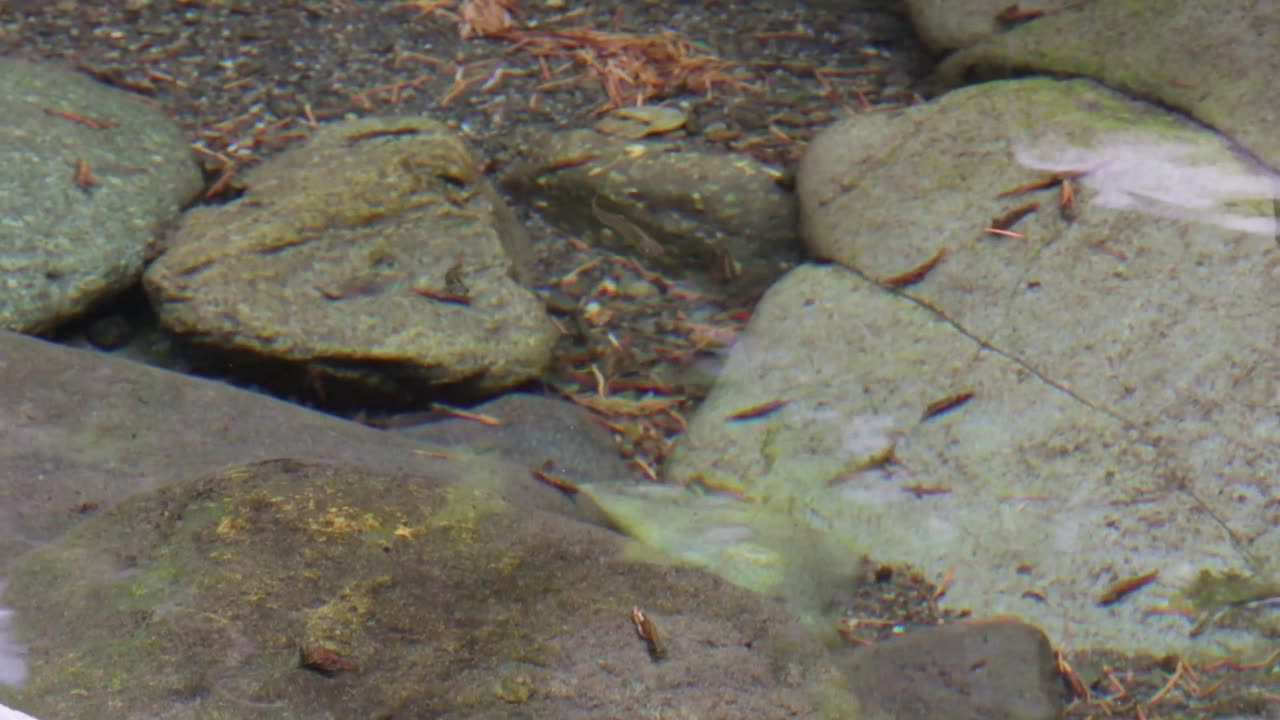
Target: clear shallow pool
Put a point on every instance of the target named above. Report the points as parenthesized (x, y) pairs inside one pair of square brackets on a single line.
[(1109, 214)]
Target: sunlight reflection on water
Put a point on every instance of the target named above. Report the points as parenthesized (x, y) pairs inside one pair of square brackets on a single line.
[(1164, 177), (13, 669)]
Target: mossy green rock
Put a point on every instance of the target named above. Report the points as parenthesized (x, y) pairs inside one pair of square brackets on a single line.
[(334, 261), (284, 589), (68, 249)]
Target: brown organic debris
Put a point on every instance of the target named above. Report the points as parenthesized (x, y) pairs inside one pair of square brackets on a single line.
[(648, 631), (84, 178), (486, 420), (916, 274), (1014, 14), (321, 658), (757, 411), (559, 482), (948, 403), (1127, 586), (633, 68), (90, 122), (1010, 218)]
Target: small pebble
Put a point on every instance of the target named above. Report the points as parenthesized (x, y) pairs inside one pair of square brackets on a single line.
[(111, 332), (637, 288)]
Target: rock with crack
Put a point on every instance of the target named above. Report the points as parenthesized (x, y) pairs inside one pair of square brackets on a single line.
[(1077, 422), (375, 251)]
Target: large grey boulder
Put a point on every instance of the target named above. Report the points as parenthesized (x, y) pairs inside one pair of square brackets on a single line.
[(129, 492), (1110, 371)]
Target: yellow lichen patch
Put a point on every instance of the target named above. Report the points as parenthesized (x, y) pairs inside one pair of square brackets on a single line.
[(508, 563), (230, 526), (239, 473), (354, 601), (463, 509), (344, 521), (404, 532), (340, 624)]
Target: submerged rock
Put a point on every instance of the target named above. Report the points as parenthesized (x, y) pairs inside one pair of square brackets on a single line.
[(290, 589), (1045, 418), (93, 176), (373, 252), (720, 218)]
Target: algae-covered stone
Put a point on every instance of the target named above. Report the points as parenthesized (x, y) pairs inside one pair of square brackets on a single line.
[(883, 193), (1020, 492), (293, 590), (92, 178), (1116, 354), (690, 212), (755, 547), (375, 250)]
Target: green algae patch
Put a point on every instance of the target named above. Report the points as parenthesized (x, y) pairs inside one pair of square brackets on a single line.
[(765, 547), (288, 589), (1233, 598)]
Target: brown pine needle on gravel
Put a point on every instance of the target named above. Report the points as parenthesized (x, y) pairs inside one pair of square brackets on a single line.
[(632, 68)]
